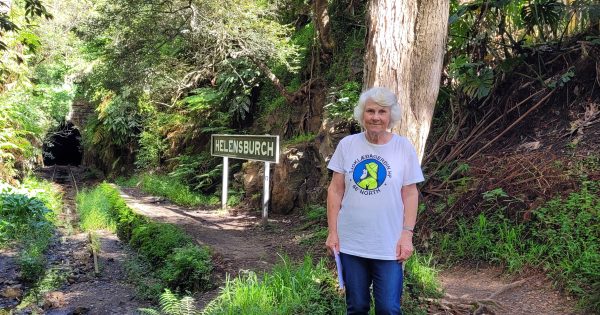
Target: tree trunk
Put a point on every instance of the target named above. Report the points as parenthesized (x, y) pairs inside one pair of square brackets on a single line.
[(323, 26), (5, 6), (405, 49)]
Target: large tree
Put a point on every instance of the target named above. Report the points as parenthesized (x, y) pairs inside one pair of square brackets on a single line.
[(405, 48)]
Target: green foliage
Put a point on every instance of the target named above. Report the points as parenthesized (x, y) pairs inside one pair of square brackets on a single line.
[(301, 138), (569, 229), (170, 304), (201, 171), (563, 79), (201, 99), (46, 192), (103, 208), (316, 213), (188, 268), (420, 283), (95, 209), (344, 68), (343, 100), (473, 79), (562, 239), (317, 237), (542, 13), (26, 222), (150, 152), (141, 274), (175, 190), (235, 85), (32, 260), (156, 241), (304, 288), (165, 249), (23, 217)]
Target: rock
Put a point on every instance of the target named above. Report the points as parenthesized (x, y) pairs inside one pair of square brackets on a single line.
[(13, 292), (332, 131), (298, 178), (80, 310), (54, 299)]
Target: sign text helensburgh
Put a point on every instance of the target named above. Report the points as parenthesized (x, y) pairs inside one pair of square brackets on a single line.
[(259, 148)]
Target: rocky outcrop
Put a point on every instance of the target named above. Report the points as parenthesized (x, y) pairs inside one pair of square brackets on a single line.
[(297, 179), (301, 177)]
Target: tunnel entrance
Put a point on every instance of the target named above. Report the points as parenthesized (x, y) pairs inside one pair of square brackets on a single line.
[(63, 146)]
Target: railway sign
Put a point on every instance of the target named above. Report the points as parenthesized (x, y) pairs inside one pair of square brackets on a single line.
[(263, 148)]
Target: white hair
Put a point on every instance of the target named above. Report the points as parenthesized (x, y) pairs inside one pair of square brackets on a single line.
[(382, 97)]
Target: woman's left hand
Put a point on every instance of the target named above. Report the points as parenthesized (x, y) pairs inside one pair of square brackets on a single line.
[(404, 248)]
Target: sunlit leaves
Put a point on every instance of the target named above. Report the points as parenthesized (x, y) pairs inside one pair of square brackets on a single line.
[(542, 13), (474, 79)]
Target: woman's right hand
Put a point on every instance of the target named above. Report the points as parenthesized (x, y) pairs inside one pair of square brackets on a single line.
[(332, 243)]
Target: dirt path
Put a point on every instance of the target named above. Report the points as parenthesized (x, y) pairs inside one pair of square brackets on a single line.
[(69, 256), (515, 296), (239, 243)]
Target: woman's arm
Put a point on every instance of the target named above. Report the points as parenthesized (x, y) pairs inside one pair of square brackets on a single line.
[(410, 199), (335, 193)]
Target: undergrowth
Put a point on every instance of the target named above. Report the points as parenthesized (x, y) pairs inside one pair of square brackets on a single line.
[(167, 256), (28, 215), (170, 188), (562, 237), (304, 288)]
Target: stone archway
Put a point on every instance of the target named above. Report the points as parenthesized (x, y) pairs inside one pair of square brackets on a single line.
[(63, 147)]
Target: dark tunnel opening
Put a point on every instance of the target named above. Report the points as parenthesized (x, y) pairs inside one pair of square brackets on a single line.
[(63, 146)]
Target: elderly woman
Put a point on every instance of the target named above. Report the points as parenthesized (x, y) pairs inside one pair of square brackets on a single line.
[(372, 205)]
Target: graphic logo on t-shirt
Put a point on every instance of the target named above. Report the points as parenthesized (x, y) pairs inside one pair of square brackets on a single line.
[(369, 174)]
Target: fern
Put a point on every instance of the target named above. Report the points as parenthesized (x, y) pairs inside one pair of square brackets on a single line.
[(170, 304)]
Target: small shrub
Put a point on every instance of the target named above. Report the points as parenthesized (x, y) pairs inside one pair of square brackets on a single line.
[(188, 268), (174, 190), (157, 241), (171, 304), (420, 282), (140, 274), (303, 288), (32, 261), (343, 100), (316, 213)]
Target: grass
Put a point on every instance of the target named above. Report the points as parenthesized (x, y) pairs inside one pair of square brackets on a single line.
[(170, 188), (95, 210), (301, 138), (300, 288), (562, 238), (45, 191), (28, 215), (52, 280), (303, 288), (172, 260)]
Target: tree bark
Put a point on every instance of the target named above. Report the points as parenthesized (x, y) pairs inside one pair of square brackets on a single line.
[(323, 26), (274, 79), (405, 48), (5, 6)]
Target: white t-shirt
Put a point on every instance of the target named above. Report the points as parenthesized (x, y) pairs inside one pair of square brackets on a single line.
[(372, 213)]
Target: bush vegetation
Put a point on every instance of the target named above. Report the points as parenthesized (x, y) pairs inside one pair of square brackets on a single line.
[(170, 188), (165, 250), (561, 238)]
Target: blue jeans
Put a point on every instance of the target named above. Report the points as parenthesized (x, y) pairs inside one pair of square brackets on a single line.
[(386, 277)]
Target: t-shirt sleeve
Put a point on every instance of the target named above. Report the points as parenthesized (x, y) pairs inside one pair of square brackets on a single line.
[(336, 163), (412, 168)]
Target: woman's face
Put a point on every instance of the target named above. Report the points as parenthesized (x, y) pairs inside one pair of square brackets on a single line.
[(376, 118)]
